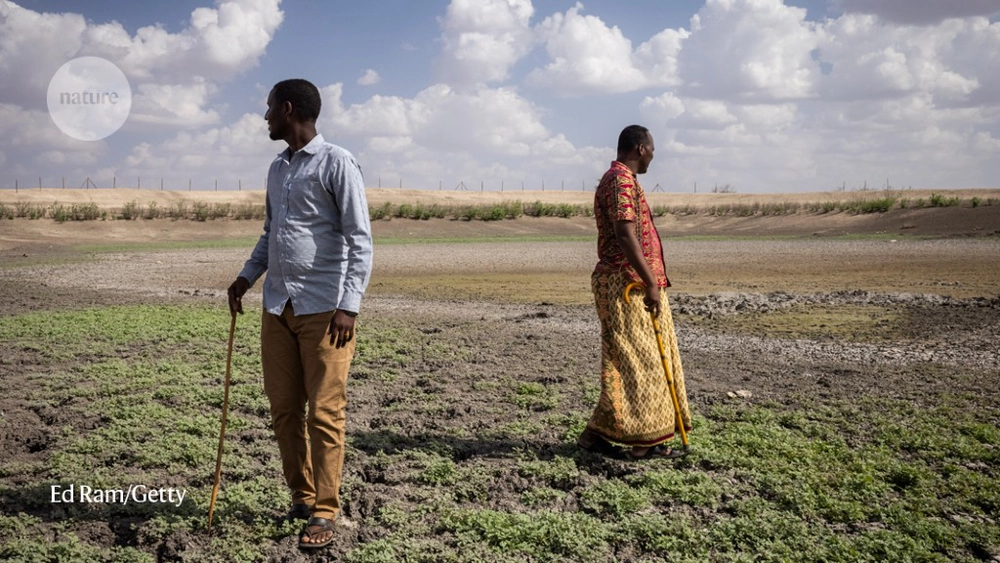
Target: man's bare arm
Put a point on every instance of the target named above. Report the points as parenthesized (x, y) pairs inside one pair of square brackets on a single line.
[(629, 243)]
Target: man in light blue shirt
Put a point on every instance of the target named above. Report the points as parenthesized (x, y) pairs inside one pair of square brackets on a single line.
[(317, 251)]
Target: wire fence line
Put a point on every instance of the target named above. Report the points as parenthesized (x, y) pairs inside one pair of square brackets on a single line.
[(192, 184), (137, 182)]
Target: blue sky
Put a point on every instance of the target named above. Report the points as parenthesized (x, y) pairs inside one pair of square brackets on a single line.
[(758, 95)]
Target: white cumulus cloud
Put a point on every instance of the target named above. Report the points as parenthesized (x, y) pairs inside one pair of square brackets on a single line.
[(754, 49), (217, 44), (225, 153), (587, 56), (483, 39), (443, 133), (920, 12), (870, 59), (369, 78)]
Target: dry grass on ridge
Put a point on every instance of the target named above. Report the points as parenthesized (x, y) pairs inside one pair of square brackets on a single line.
[(116, 198)]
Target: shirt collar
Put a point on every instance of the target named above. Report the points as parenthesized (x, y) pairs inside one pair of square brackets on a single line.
[(621, 166), (311, 147)]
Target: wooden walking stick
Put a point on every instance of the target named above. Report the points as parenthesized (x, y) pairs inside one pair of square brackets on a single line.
[(666, 365), (222, 430)]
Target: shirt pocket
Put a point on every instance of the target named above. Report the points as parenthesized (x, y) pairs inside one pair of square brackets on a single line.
[(306, 199)]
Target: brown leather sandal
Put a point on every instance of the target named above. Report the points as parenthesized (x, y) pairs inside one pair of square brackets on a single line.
[(324, 525)]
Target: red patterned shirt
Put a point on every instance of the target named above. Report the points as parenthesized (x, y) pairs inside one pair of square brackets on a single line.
[(619, 197)]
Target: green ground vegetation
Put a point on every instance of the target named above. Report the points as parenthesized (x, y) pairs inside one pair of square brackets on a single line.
[(139, 390)]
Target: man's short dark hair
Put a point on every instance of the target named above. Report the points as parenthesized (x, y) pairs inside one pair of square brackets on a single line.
[(631, 137), (303, 95)]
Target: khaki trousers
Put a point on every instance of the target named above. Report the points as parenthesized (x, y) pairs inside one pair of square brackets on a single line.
[(302, 368)]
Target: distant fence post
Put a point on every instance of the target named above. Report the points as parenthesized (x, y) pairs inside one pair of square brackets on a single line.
[(239, 187), (64, 182), (15, 186), (161, 183), (189, 184)]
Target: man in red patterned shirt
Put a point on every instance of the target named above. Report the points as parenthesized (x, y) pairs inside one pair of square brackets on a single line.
[(635, 408)]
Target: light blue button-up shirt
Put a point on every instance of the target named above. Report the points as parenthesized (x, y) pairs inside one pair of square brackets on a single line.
[(317, 246)]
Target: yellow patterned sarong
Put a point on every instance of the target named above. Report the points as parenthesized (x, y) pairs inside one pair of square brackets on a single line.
[(635, 407)]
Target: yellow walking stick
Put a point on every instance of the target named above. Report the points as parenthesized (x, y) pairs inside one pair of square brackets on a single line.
[(222, 430), (666, 364)]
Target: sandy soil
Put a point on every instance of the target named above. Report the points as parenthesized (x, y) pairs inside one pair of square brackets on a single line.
[(545, 259)]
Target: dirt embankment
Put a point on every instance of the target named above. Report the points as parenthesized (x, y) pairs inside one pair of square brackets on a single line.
[(689, 214)]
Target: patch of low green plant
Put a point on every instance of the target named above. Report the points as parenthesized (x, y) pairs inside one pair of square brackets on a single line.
[(75, 212), (671, 487), (541, 496), (383, 211), (780, 208), (417, 211), (29, 546), (440, 471), (519, 428), (543, 535), (676, 533), (863, 206), (62, 336), (201, 211), (24, 209), (378, 551), (152, 211), (534, 396), (558, 473), (938, 200), (614, 498), (131, 210), (179, 210), (250, 211), (221, 210)]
